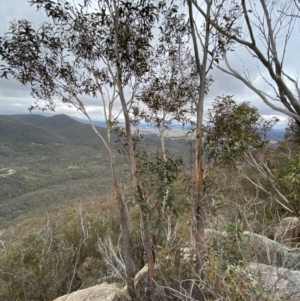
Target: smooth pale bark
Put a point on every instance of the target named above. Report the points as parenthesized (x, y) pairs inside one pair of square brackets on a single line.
[(198, 199), (122, 209), (133, 170), (145, 229)]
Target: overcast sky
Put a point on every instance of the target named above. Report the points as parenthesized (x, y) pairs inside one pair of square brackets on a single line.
[(15, 99)]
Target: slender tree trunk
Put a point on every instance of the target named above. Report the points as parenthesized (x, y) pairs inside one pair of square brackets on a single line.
[(148, 246), (169, 225), (125, 233), (198, 207), (144, 222), (130, 272), (201, 68)]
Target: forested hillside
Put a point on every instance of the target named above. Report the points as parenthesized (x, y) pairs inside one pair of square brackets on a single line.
[(51, 161)]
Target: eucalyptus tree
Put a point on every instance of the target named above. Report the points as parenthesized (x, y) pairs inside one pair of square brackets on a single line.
[(165, 99), (265, 29), (88, 51), (209, 48), (232, 129), (292, 132), (268, 32)]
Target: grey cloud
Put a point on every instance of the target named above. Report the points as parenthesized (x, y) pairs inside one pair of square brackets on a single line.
[(15, 98), (14, 105), (244, 63), (12, 88), (11, 10)]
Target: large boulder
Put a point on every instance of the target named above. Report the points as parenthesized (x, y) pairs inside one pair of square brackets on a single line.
[(101, 292), (255, 248), (280, 283), (260, 249), (288, 232), (252, 247)]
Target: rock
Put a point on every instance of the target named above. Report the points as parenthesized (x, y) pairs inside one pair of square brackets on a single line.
[(256, 248), (101, 292), (252, 248), (278, 282), (288, 232), (261, 249)]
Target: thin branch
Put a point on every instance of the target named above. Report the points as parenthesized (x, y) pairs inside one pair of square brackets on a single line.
[(193, 32), (248, 22), (260, 93)]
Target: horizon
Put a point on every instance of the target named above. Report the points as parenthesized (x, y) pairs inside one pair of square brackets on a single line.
[(176, 130), (277, 126), (83, 119)]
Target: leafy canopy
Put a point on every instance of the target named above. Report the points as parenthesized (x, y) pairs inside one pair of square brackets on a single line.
[(80, 49), (232, 128)]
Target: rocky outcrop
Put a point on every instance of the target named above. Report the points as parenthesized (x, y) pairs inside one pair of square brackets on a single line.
[(260, 249), (102, 292), (280, 283), (288, 232), (257, 248)]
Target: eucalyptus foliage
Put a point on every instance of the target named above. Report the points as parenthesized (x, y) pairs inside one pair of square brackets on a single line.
[(166, 94), (78, 50), (233, 128)]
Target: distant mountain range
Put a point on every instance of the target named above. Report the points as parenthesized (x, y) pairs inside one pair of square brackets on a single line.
[(37, 128), (276, 134), (101, 123), (273, 135), (70, 127), (44, 130)]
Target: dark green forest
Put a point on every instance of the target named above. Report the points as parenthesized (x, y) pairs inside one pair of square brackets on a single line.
[(56, 161)]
